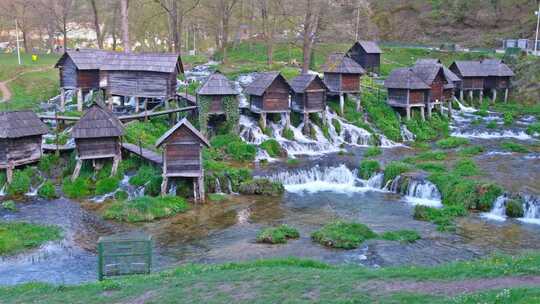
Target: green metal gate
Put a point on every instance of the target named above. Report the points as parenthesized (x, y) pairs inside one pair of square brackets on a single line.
[(124, 255)]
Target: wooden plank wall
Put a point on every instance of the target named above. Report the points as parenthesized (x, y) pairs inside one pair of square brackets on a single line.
[(141, 84), (183, 152), (276, 97), (88, 79), (333, 81), (68, 74), (89, 147), (24, 149), (350, 82)]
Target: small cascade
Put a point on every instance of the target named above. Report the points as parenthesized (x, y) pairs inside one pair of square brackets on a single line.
[(531, 208), (376, 181), (172, 189), (337, 179), (393, 185), (3, 190), (34, 190), (406, 134), (229, 186), (423, 192), (498, 212), (464, 108), (218, 186)]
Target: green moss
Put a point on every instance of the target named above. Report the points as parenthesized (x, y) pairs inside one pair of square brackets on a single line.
[(277, 235), (508, 118), (18, 236), (107, 185), (217, 197), (466, 167), (431, 156), (368, 168), (442, 217), (47, 191), (288, 134), (432, 167), (372, 152), (272, 147), (337, 125), (514, 208), (261, 186), (293, 162), (395, 168), (514, 147), (452, 142), (20, 184), (487, 195), (405, 236), (145, 208), (77, 189), (471, 151), (343, 235), (9, 205)]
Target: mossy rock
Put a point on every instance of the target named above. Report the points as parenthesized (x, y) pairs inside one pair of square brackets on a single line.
[(343, 235), (277, 235), (514, 208), (261, 186)]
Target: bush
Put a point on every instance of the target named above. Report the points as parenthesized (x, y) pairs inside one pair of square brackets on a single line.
[(488, 193), (533, 128), (261, 186), (405, 236), (241, 151), (77, 189), (492, 125), (20, 184), (368, 168), (47, 191), (121, 195), (372, 152), (47, 162), (288, 134), (9, 205), (277, 235), (107, 185), (471, 151), (145, 208), (466, 167), (153, 187), (452, 142), (143, 175), (514, 147), (272, 147), (508, 118), (393, 169), (514, 208), (343, 235)]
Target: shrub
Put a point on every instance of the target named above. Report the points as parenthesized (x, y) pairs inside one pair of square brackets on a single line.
[(241, 151), (405, 236), (143, 175), (487, 195), (261, 186), (343, 235), (372, 152), (221, 141), (471, 151), (272, 147), (47, 162), (121, 195), (47, 191), (153, 187), (492, 125), (145, 208), (337, 125), (508, 118), (288, 134), (107, 185), (514, 147), (514, 208), (533, 128), (277, 235), (20, 184), (217, 197), (466, 167), (393, 169), (452, 142), (9, 205), (77, 189), (368, 168), (432, 167)]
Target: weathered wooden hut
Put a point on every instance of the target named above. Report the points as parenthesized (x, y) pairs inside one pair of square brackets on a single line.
[(441, 88), (182, 156), (367, 54), (342, 76), (406, 90), (472, 76), (97, 137), (269, 93), (79, 70), (216, 96), (498, 77), (141, 75), (309, 96), (450, 76), (20, 139)]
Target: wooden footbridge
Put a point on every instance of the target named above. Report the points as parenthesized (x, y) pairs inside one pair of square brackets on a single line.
[(143, 153)]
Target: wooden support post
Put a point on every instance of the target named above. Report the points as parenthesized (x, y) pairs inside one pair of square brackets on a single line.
[(116, 162), (429, 107), (449, 109), (9, 173), (358, 103), (137, 106), (506, 95), (195, 190), (77, 170), (341, 104), (263, 121), (62, 99), (200, 183), (494, 95), (481, 98), (323, 114), (422, 113), (287, 120), (110, 102), (79, 100), (408, 110), (164, 185), (146, 109), (461, 95), (306, 123)]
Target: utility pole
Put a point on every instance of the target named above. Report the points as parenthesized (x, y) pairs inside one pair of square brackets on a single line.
[(17, 37), (357, 22), (537, 26)]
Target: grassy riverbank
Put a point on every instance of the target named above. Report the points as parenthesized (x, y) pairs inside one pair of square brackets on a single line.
[(303, 281), (17, 237)]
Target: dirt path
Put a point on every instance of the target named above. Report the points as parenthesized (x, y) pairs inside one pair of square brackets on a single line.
[(451, 288), (5, 92)]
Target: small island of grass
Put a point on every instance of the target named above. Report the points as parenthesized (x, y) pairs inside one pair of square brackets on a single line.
[(16, 237)]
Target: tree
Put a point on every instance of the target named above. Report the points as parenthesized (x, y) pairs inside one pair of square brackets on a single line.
[(271, 11), (312, 19), (97, 26), (125, 25), (222, 11), (176, 10)]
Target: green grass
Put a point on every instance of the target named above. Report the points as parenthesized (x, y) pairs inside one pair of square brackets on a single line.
[(533, 128), (452, 142), (381, 115), (20, 185), (404, 236), (143, 175), (146, 133), (78, 189), (272, 147), (435, 127), (432, 167), (47, 191), (514, 147), (107, 185), (395, 168), (9, 205), (492, 125), (442, 217), (470, 151), (16, 237), (343, 235), (514, 208), (217, 197), (368, 168), (277, 235), (466, 167), (372, 152), (145, 208)]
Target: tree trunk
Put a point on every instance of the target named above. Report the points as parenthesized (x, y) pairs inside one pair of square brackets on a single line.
[(99, 36), (125, 25)]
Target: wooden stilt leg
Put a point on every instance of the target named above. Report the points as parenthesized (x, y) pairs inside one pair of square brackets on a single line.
[(195, 191), (116, 162), (9, 173), (323, 113), (506, 95), (341, 104), (137, 106), (146, 109), (461, 95), (263, 121), (306, 123), (164, 185), (77, 170), (358, 103), (201, 188), (408, 110), (79, 100), (471, 96), (422, 113), (449, 109), (62, 99), (430, 106), (110, 102), (287, 120), (481, 98)]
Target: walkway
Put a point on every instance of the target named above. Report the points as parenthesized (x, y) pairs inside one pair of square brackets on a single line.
[(143, 153)]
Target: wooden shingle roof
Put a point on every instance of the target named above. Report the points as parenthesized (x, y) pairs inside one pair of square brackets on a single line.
[(84, 59), (428, 61), (371, 47), (301, 82), (217, 84), (262, 81), (449, 75), (342, 64), (470, 68), (405, 78), (97, 122), (496, 67), (184, 122), (18, 124)]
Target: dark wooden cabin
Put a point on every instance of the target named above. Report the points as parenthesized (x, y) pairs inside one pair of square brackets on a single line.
[(367, 54), (498, 77), (309, 94), (472, 76), (433, 75), (20, 139), (141, 75), (97, 136), (269, 93), (450, 76), (406, 90), (342, 74), (217, 87), (182, 156)]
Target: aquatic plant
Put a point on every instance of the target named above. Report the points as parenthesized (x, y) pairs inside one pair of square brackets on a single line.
[(452, 142), (261, 186), (288, 134), (508, 118), (368, 168), (19, 236), (514, 147), (20, 184), (514, 208), (492, 125), (442, 217), (77, 189), (395, 168), (345, 235), (47, 191), (9, 205), (277, 235), (337, 125), (145, 208), (372, 152), (405, 236), (471, 151), (272, 147)]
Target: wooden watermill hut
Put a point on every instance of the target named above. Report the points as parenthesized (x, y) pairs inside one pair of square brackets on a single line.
[(406, 90), (80, 71), (498, 77), (218, 96), (441, 87), (472, 76), (142, 75), (269, 93), (342, 76), (20, 140), (182, 156), (367, 54), (97, 137), (309, 96)]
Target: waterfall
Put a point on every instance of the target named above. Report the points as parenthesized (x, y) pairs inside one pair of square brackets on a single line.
[(376, 181), (229, 186), (423, 192), (393, 185), (337, 179), (406, 134), (172, 190), (521, 135), (218, 186), (498, 212), (3, 190), (34, 191), (531, 208), (464, 108)]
